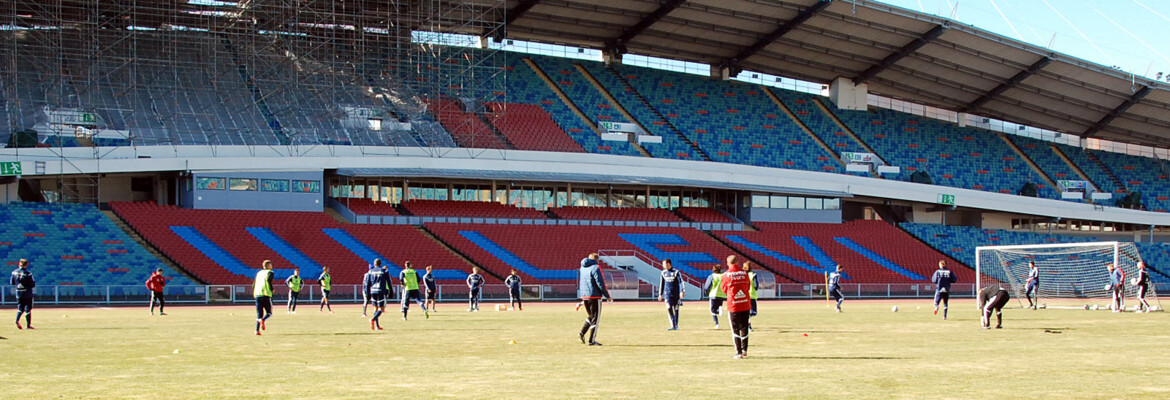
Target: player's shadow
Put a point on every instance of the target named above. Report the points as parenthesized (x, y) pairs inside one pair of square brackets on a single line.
[(669, 345), (829, 358), (779, 330)]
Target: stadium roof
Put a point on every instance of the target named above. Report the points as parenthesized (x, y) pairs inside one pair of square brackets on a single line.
[(899, 53)]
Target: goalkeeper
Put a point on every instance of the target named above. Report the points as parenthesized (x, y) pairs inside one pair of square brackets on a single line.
[(1117, 285), (1142, 281), (1033, 284), (993, 298)]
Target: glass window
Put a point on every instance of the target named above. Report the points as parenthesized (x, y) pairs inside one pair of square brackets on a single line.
[(779, 202), (796, 203), (210, 183), (242, 184), (814, 204), (759, 201), (274, 185), (315, 187), (832, 204)]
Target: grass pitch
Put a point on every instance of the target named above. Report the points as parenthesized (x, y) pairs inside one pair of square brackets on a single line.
[(866, 352)]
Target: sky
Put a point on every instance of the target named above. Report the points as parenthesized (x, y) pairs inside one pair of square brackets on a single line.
[(1128, 34)]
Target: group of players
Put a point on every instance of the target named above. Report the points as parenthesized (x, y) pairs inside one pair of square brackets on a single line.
[(736, 287), (377, 287)]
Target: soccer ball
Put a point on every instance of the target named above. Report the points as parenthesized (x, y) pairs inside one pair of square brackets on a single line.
[(1155, 308), (894, 309), (1096, 307), (1086, 306), (1134, 281), (1108, 286)]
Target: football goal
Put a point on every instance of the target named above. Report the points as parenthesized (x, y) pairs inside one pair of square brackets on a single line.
[(1068, 271)]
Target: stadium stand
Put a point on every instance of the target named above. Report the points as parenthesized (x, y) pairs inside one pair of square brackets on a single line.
[(1041, 153), (482, 209), (1141, 174), (614, 214), (953, 156), (530, 127), (731, 121), (225, 247), (1095, 170), (361, 206), (465, 126), (75, 244), (703, 214), (871, 251), (543, 255), (805, 109), (583, 94), (673, 145), (526, 87)]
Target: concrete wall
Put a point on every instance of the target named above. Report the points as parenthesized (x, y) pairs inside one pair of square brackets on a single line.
[(788, 215), (8, 193), (253, 200)]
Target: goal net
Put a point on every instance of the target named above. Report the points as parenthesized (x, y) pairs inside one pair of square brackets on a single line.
[(1068, 271)]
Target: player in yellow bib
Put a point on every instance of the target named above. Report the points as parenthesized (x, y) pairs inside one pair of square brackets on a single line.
[(294, 283), (326, 282), (409, 278), (753, 290), (262, 292)]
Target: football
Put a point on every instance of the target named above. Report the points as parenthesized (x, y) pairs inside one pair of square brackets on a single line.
[(894, 309)]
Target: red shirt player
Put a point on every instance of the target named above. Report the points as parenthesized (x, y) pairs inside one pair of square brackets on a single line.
[(737, 285), (155, 285)]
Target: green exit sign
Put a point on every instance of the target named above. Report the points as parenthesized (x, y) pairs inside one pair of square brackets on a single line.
[(9, 168), (948, 199)]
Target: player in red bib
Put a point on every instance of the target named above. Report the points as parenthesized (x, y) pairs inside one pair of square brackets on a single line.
[(739, 304), (155, 285)]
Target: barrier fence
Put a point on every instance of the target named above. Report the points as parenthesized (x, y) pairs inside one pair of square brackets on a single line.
[(229, 294)]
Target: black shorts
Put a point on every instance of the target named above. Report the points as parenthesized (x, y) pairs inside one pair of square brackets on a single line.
[(378, 299), (836, 294), (432, 294), (24, 302), (294, 295), (324, 293)]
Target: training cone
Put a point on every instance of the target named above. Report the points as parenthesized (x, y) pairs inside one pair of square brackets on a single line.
[(805, 334)]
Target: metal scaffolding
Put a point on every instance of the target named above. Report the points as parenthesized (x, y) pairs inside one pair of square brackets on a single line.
[(249, 72)]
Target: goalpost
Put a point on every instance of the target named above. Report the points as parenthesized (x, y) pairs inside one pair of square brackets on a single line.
[(1068, 271)]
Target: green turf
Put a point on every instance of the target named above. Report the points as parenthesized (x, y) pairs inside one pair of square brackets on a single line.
[(866, 352)]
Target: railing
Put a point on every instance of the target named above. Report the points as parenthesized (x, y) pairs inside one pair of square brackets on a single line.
[(653, 262), (229, 294)]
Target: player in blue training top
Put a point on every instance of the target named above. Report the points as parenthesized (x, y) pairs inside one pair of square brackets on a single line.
[(432, 289), (24, 283), (365, 295), (376, 286), (513, 283), (942, 280), (474, 284), (835, 286), (1117, 285), (713, 286), (1033, 284), (670, 290)]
